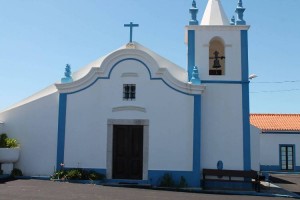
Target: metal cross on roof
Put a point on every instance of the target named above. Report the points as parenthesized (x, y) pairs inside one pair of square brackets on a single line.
[(131, 25)]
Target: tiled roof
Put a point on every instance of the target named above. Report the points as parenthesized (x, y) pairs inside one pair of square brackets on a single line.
[(276, 122)]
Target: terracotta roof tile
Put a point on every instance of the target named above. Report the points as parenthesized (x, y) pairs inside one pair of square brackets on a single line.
[(276, 122)]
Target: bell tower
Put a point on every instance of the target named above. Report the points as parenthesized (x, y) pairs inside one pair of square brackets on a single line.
[(216, 46), (219, 49)]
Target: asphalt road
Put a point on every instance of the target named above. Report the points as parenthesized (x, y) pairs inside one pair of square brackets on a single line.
[(39, 190)]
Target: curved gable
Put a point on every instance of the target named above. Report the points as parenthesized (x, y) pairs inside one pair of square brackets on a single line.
[(155, 69)]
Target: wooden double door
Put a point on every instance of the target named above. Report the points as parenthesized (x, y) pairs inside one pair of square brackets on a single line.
[(127, 152)]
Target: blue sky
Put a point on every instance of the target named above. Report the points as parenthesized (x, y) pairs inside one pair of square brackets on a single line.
[(39, 37)]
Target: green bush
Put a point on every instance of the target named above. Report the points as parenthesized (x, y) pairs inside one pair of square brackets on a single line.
[(3, 138), (74, 174), (167, 181), (59, 174), (182, 183), (6, 142), (77, 174), (11, 143), (96, 176), (16, 172)]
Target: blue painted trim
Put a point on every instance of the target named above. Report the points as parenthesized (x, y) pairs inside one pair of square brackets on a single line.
[(61, 130), (225, 82), (46, 178), (5, 176), (245, 101), (125, 59), (154, 176), (270, 168), (94, 182), (109, 74), (120, 181), (197, 141), (194, 11), (98, 170), (240, 14), (211, 184), (277, 168), (246, 128), (244, 58), (191, 53), (294, 155), (195, 80)]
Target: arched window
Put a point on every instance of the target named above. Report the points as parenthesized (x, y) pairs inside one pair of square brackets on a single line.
[(216, 57)]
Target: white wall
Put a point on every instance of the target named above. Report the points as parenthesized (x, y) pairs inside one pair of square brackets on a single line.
[(2, 127), (169, 112), (222, 126), (269, 147), (34, 125)]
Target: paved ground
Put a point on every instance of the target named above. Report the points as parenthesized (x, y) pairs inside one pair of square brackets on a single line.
[(40, 190), (290, 182)]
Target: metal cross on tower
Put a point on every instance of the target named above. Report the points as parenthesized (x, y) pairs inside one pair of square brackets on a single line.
[(131, 25)]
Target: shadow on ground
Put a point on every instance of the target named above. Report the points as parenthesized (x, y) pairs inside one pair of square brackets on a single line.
[(279, 180)]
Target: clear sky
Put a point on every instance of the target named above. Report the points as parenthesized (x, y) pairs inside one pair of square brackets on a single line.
[(39, 37)]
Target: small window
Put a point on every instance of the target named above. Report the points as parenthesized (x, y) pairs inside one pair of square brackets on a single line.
[(287, 157), (128, 92)]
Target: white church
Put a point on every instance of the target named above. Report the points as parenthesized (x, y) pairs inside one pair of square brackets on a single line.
[(134, 115)]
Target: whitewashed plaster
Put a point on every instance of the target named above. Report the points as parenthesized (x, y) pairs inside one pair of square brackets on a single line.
[(222, 126), (269, 147)]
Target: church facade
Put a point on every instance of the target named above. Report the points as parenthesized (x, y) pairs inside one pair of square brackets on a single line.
[(134, 115)]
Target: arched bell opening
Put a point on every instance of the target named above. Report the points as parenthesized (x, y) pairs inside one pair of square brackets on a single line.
[(216, 56)]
